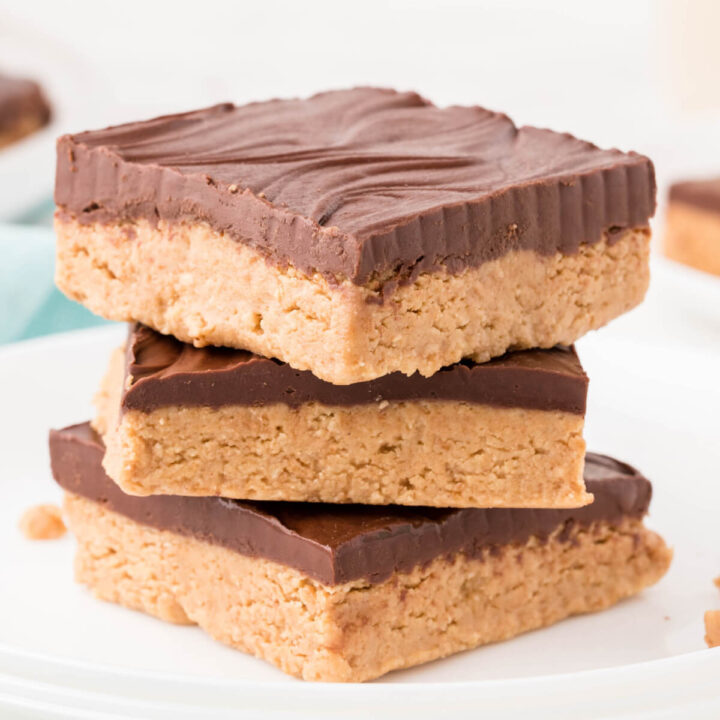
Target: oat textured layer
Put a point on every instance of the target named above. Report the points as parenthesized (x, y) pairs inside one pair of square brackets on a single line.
[(189, 281), (358, 631), (443, 454), (692, 237)]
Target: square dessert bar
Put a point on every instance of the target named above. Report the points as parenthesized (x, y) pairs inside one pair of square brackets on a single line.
[(692, 232), (349, 592), (182, 420), (353, 234), (23, 109)]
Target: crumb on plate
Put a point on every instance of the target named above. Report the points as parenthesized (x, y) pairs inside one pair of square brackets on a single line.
[(42, 522)]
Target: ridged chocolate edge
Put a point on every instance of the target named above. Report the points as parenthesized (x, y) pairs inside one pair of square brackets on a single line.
[(550, 215)]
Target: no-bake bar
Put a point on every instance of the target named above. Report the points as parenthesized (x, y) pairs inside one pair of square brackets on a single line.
[(23, 109), (353, 234), (348, 593), (181, 420), (692, 233)]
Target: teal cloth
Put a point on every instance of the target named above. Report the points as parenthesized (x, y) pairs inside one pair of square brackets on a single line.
[(30, 304)]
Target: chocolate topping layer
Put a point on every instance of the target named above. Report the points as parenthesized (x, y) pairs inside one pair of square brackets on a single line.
[(338, 543), (163, 371), (18, 99), (366, 184), (704, 194)]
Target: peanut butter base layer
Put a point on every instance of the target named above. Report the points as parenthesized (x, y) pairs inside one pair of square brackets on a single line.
[(189, 281), (357, 630), (692, 237), (436, 453), (443, 454)]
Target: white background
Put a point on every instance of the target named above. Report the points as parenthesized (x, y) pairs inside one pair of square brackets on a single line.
[(637, 74)]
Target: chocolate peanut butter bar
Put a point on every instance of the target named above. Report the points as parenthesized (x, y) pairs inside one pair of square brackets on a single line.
[(23, 109), (353, 234), (182, 420), (349, 592), (692, 233)]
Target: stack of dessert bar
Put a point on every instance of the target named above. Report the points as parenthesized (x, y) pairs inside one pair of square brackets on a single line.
[(345, 431)]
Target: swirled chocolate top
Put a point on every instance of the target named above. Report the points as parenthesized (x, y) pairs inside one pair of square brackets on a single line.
[(338, 543), (367, 184), (162, 371)]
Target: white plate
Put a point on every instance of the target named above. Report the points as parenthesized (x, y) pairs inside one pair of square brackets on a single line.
[(64, 654)]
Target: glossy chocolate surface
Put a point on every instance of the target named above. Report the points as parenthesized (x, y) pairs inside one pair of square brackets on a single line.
[(162, 371)]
